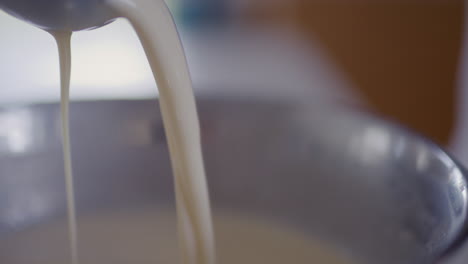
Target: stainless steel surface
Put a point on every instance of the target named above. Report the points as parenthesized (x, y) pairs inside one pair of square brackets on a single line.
[(376, 190), (60, 14)]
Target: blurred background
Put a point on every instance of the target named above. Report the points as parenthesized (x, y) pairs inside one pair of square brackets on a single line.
[(398, 58)]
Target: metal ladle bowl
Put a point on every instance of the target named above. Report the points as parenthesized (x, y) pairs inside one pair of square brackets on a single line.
[(70, 15), (379, 192)]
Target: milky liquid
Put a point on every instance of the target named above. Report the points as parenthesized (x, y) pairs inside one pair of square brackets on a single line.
[(157, 32), (155, 27), (63, 43), (148, 236)]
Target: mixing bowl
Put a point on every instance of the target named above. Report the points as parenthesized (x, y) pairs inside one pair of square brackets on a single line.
[(372, 189)]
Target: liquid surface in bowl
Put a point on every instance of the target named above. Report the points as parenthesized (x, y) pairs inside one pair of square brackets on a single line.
[(148, 235)]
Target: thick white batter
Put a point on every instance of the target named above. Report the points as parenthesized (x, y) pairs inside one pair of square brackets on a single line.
[(155, 27), (63, 40), (158, 34)]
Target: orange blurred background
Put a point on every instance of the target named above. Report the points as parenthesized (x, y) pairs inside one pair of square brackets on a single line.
[(401, 55)]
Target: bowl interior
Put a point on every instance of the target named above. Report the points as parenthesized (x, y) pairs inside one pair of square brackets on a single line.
[(372, 189)]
